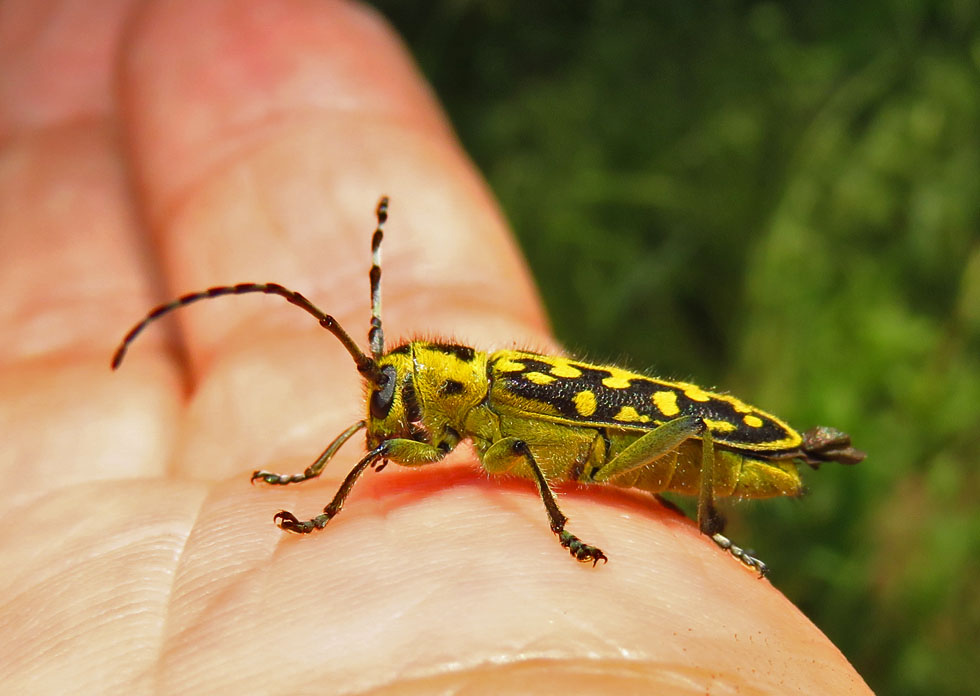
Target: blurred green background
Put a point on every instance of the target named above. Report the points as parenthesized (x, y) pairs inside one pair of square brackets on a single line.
[(781, 200)]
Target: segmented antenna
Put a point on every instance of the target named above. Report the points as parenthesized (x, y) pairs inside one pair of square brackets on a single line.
[(365, 365), (376, 336)]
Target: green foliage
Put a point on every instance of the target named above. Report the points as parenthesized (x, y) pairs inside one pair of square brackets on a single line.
[(782, 199)]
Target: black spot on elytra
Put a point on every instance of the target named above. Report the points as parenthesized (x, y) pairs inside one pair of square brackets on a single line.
[(450, 387)]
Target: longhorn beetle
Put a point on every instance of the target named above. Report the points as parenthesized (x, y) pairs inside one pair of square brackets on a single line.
[(548, 418)]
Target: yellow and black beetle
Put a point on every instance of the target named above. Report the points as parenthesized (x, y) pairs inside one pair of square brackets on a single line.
[(549, 419)]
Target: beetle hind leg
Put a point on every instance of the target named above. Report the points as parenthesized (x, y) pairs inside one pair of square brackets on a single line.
[(741, 554), (711, 522)]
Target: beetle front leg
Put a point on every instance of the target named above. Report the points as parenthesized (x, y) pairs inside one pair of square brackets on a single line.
[(504, 455), (314, 469), (405, 452)]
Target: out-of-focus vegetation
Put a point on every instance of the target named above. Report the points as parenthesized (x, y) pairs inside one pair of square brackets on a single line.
[(782, 200)]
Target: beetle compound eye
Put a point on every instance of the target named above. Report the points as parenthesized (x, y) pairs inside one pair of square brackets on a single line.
[(382, 397)]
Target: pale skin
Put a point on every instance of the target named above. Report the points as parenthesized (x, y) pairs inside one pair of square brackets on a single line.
[(194, 144)]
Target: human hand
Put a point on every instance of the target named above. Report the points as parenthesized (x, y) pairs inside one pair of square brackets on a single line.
[(153, 149)]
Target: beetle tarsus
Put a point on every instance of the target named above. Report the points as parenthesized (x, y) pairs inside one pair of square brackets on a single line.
[(288, 522), (274, 479), (580, 550), (741, 554)]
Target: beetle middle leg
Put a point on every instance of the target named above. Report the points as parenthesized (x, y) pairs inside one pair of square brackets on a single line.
[(506, 453)]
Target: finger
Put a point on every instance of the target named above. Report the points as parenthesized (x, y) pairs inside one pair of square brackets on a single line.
[(263, 136), (67, 262)]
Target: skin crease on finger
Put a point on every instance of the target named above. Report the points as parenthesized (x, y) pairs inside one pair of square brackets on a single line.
[(256, 138)]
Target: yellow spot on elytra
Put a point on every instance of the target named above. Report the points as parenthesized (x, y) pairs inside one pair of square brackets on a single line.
[(628, 414), (615, 381), (696, 393), (585, 403), (666, 401), (563, 369), (506, 365), (752, 421), (539, 378), (717, 426)]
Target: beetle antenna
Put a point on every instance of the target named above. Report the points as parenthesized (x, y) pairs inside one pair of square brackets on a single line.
[(376, 335), (365, 365)]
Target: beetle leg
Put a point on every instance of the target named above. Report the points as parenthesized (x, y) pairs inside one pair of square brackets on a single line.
[(741, 554), (663, 439), (504, 455), (653, 445), (288, 522), (314, 469), (710, 521), (405, 452)]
